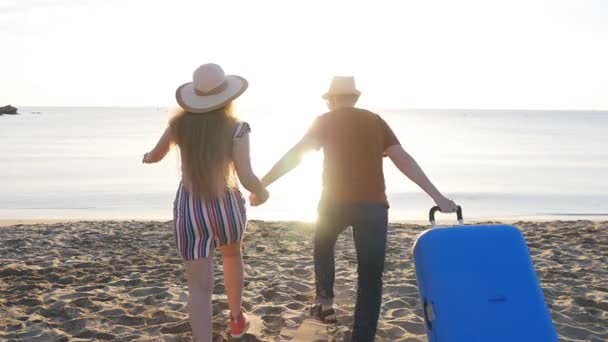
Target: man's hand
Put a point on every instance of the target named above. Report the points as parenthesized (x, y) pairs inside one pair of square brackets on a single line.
[(256, 200), (446, 205), (146, 159)]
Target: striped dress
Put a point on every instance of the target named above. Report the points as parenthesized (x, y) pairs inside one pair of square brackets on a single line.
[(201, 225)]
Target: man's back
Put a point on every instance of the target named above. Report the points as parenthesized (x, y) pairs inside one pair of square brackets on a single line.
[(354, 141)]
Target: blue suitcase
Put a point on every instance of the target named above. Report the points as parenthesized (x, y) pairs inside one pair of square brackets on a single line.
[(477, 283)]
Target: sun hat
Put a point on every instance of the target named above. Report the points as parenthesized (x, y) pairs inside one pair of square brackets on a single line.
[(210, 89)]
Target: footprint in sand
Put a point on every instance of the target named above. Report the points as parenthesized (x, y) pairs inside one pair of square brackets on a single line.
[(391, 332), (67, 280), (176, 328), (295, 306), (584, 302), (23, 288), (413, 327), (62, 310), (84, 303), (394, 304), (298, 286), (302, 298), (574, 332), (83, 265), (273, 323), (138, 310), (74, 326), (301, 272), (268, 310), (112, 313), (75, 295), (269, 294), (127, 305), (176, 306), (31, 302), (126, 282), (219, 307), (90, 288), (147, 291), (129, 320), (398, 313), (15, 327), (95, 335), (247, 305), (103, 297), (411, 302), (54, 278), (220, 289), (162, 317)]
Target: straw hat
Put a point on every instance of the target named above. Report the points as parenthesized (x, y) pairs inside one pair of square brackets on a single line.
[(342, 85), (210, 89)]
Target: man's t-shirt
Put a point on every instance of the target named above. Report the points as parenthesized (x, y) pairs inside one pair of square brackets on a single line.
[(354, 141)]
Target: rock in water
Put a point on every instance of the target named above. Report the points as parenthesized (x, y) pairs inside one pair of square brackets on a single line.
[(8, 110)]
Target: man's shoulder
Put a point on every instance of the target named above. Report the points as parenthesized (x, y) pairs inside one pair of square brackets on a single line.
[(363, 110), (342, 116), (348, 111)]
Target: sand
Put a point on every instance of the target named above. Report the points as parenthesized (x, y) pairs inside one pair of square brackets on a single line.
[(123, 281)]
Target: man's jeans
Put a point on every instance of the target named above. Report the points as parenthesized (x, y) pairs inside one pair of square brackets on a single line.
[(369, 222)]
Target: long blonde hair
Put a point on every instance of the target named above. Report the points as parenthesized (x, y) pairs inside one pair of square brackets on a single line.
[(205, 143)]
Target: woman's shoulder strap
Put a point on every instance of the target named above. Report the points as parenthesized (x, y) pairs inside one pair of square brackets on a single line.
[(242, 129)]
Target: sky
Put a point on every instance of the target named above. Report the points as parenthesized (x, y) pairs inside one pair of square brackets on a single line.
[(533, 54)]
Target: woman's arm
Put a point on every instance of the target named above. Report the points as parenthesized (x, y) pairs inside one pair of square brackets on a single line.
[(242, 165), (160, 150), (410, 168)]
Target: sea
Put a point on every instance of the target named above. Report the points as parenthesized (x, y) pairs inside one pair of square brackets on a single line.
[(85, 163)]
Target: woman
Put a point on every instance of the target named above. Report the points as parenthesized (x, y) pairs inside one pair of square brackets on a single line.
[(209, 210)]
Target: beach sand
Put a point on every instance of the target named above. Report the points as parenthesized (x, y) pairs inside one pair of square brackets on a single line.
[(123, 281)]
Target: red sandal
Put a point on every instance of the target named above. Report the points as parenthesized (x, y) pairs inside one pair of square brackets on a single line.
[(239, 326)]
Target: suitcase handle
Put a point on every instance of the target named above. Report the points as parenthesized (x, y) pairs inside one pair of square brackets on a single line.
[(436, 209), (429, 314)]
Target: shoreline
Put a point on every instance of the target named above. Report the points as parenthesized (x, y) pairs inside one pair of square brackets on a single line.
[(442, 221)]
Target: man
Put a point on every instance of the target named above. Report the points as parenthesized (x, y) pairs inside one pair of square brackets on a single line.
[(354, 142)]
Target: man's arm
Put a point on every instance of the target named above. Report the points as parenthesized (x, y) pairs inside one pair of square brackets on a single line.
[(160, 150), (291, 159), (410, 168)]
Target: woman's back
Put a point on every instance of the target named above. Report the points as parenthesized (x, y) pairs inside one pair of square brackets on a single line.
[(206, 149)]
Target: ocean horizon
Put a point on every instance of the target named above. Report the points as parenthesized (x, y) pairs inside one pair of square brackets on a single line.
[(85, 163)]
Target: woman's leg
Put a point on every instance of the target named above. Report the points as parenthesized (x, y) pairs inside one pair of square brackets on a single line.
[(200, 287), (233, 276)]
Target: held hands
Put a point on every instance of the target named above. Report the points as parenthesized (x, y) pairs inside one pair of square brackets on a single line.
[(259, 199), (446, 205), (146, 159)]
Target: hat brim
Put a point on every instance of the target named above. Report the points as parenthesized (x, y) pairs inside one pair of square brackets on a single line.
[(327, 95), (189, 100)]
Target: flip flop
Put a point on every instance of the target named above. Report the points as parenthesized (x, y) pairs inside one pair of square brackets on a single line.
[(322, 315)]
